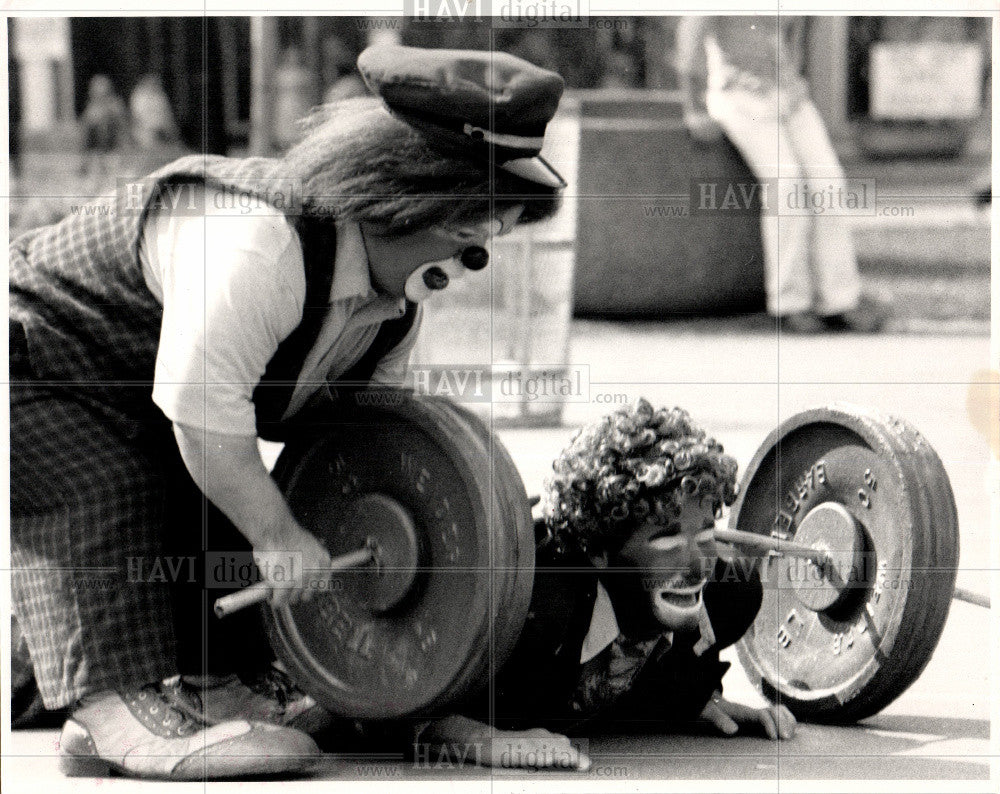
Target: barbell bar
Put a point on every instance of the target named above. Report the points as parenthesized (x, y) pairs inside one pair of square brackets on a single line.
[(767, 543), (261, 591)]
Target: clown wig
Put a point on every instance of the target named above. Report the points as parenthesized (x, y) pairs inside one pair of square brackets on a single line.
[(633, 465), (358, 162)]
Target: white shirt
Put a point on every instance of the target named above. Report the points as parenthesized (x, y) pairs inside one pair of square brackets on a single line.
[(232, 286)]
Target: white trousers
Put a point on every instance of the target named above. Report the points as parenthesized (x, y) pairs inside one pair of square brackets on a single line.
[(809, 260)]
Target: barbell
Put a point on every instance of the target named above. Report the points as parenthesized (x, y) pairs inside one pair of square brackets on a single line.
[(841, 644), (430, 528), (850, 511)]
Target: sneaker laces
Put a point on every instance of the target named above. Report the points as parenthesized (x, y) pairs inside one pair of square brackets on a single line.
[(176, 705), (275, 684), (182, 698)]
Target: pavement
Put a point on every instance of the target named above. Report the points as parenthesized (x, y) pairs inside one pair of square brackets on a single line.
[(740, 381)]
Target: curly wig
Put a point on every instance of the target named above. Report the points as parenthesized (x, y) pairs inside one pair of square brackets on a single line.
[(359, 162), (632, 465)]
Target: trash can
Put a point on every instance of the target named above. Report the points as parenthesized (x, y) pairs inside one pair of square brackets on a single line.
[(644, 248)]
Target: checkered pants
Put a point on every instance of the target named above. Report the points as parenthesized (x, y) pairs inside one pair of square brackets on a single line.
[(95, 504)]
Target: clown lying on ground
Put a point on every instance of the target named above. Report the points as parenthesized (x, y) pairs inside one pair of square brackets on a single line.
[(631, 603), (631, 606)]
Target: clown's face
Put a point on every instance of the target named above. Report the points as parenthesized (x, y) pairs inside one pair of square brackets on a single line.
[(398, 264), (656, 579)]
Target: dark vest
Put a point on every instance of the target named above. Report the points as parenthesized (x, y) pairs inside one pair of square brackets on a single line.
[(83, 319), (537, 683)]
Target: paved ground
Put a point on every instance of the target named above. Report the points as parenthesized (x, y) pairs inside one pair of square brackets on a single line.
[(740, 382)]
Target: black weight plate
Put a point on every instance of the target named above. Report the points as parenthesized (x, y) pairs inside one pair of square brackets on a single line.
[(437, 642), (941, 538), (849, 662), (514, 539)]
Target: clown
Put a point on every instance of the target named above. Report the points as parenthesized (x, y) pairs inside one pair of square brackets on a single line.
[(631, 602), (154, 340)]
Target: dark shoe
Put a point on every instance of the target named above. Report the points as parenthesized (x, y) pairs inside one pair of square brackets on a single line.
[(869, 317), (801, 323), (145, 733), (270, 697), (299, 710)]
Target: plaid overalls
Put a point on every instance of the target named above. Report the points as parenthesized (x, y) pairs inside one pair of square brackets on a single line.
[(108, 531)]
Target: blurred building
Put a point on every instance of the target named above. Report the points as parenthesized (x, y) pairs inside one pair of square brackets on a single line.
[(41, 52), (887, 86)]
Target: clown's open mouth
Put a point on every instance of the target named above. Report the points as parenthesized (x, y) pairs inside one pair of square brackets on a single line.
[(683, 597)]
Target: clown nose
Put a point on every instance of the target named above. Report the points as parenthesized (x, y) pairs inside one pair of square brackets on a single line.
[(435, 278), (475, 258)]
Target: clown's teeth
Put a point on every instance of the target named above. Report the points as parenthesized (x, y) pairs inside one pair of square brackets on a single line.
[(684, 599), (692, 590)]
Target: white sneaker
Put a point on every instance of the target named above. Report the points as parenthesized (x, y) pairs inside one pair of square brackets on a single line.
[(145, 733)]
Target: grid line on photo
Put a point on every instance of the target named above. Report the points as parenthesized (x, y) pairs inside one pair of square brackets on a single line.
[(770, 374)]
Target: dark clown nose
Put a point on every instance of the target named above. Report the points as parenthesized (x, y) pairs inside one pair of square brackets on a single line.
[(475, 258), (435, 278)]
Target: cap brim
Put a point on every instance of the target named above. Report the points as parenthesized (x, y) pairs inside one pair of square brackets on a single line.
[(534, 169)]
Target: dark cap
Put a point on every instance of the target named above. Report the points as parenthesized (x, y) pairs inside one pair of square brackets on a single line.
[(470, 103)]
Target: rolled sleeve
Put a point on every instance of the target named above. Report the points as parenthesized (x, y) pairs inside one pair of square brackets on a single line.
[(233, 290)]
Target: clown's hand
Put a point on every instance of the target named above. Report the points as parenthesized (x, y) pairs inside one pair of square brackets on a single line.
[(471, 740), (776, 721), (534, 749)]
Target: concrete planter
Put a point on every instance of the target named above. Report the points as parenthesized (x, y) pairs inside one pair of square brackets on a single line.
[(640, 250)]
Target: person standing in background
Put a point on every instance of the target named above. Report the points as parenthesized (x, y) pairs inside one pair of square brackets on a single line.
[(105, 127), (153, 124), (741, 75)]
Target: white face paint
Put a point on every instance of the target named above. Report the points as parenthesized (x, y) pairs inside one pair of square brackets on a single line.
[(416, 290)]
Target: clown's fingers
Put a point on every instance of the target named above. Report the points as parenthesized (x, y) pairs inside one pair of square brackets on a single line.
[(714, 714), (786, 722), (769, 720)]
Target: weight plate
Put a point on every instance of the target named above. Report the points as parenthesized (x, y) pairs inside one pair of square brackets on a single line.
[(413, 649), (381, 520), (848, 659), (828, 526), (516, 531)]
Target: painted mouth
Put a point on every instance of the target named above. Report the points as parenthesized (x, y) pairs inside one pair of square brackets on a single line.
[(682, 597)]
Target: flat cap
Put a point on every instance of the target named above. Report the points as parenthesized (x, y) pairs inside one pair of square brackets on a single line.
[(479, 104)]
